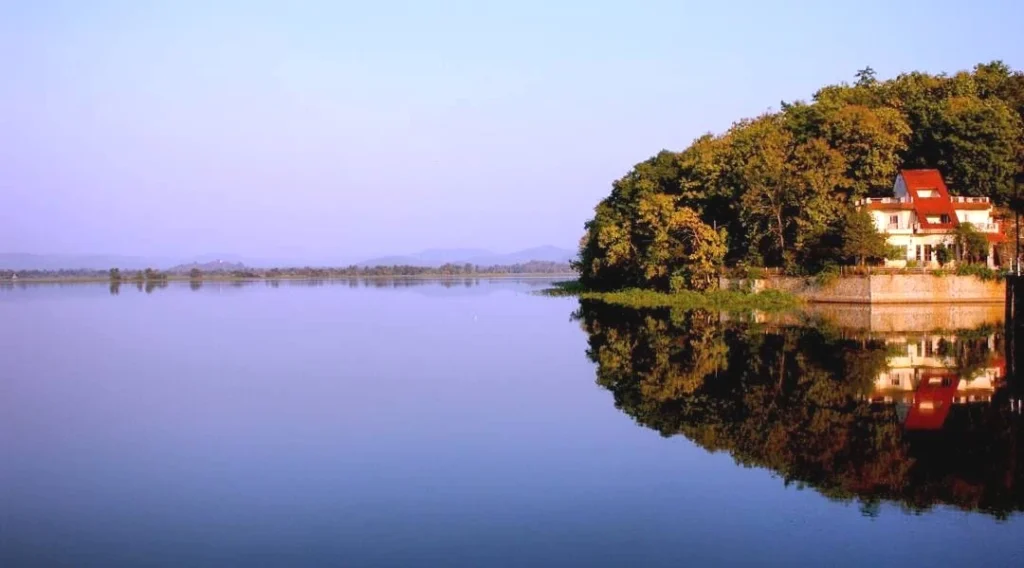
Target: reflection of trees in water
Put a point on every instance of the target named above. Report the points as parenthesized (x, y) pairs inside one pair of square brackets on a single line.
[(796, 400)]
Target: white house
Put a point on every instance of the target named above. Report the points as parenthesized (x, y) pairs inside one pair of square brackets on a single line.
[(921, 215)]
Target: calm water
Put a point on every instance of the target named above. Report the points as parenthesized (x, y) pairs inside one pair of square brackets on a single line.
[(478, 424)]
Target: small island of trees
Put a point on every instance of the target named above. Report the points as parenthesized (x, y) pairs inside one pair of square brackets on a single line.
[(779, 190)]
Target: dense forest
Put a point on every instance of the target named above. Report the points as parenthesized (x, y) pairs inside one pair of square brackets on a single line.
[(778, 190), (795, 400)]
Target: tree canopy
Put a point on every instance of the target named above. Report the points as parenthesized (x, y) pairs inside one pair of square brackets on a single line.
[(777, 188)]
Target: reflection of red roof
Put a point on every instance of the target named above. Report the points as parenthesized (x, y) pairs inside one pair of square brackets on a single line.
[(916, 182), (995, 237), (999, 362), (932, 400)]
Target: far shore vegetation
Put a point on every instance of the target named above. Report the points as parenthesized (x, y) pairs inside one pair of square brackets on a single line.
[(532, 268), (780, 191)]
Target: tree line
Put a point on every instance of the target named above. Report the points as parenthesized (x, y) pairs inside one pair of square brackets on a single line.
[(779, 190), (149, 274)]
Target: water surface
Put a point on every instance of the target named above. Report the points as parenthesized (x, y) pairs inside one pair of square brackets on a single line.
[(474, 423)]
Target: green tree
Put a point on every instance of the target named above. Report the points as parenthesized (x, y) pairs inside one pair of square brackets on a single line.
[(769, 197), (195, 274), (861, 239), (978, 144), (871, 141), (973, 244), (866, 77), (788, 196), (943, 255), (678, 250), (115, 274)]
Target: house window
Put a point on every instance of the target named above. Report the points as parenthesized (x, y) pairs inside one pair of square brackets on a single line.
[(917, 256), (927, 253), (894, 220), (944, 218), (895, 381), (927, 193)]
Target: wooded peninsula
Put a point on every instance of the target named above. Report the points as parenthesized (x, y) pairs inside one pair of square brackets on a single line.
[(781, 190)]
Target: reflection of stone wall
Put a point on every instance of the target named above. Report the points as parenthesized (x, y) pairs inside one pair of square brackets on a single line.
[(888, 318), (883, 288), (884, 318)]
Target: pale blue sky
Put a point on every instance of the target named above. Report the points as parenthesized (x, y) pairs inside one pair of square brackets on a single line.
[(331, 129)]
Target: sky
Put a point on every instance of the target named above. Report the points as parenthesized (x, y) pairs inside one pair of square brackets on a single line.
[(327, 129)]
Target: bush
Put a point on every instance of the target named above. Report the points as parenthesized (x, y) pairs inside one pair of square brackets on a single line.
[(978, 270), (828, 276), (753, 273)]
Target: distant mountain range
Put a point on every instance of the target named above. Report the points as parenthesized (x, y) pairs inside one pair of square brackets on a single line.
[(479, 257), (226, 262)]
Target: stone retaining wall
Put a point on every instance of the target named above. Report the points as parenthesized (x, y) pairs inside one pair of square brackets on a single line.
[(882, 288)]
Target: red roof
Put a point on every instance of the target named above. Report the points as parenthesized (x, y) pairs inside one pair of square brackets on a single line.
[(918, 180)]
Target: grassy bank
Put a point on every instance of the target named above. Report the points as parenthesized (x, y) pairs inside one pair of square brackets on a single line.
[(722, 300)]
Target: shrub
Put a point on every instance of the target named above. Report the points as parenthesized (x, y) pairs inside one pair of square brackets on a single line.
[(754, 273), (977, 270), (828, 276)]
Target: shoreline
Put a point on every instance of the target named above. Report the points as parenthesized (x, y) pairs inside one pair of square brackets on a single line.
[(228, 278)]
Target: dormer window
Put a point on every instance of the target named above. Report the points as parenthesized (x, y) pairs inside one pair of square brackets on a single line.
[(927, 193)]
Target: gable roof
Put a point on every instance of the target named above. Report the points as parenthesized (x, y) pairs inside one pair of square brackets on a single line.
[(916, 181)]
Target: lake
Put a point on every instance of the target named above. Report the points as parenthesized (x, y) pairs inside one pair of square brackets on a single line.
[(477, 423)]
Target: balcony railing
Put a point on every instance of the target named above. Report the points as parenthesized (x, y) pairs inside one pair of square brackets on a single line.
[(980, 227), (965, 199), (986, 227), (885, 200), (955, 199)]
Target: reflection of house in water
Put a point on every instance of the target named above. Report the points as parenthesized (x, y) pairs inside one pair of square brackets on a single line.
[(927, 375)]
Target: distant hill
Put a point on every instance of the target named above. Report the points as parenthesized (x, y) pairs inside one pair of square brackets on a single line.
[(433, 258), (207, 267), (430, 258)]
